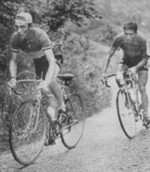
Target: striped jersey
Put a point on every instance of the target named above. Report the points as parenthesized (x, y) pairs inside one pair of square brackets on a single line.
[(34, 44)]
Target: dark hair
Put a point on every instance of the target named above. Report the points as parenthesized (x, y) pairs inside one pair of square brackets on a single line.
[(130, 26)]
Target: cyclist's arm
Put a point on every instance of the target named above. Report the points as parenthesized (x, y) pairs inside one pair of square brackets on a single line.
[(141, 63), (115, 44), (110, 54), (51, 69), (13, 64), (144, 55)]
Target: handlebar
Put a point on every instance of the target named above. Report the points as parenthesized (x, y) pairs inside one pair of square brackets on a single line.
[(19, 93), (105, 81), (132, 77), (29, 80)]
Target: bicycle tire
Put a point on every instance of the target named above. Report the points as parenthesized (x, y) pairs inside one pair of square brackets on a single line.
[(70, 132), (126, 115), (27, 132)]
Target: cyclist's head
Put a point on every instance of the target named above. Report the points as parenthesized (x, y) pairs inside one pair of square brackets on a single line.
[(130, 26), (23, 22), (23, 18), (130, 29)]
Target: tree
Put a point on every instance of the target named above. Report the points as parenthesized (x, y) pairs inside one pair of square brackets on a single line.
[(60, 11), (55, 13), (8, 9)]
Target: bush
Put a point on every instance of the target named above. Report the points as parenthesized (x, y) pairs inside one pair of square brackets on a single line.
[(87, 67)]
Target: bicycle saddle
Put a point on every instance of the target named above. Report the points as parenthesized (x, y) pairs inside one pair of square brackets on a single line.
[(66, 76)]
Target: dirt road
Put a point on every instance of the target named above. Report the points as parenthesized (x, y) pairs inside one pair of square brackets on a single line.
[(103, 148)]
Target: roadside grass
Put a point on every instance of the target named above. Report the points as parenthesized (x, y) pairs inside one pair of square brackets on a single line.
[(87, 67)]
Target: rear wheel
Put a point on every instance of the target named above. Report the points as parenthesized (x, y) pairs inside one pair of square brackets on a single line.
[(27, 132), (73, 122), (126, 114)]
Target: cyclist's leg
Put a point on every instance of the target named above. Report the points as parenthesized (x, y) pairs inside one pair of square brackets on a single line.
[(119, 75), (41, 67), (142, 81), (121, 80), (56, 89)]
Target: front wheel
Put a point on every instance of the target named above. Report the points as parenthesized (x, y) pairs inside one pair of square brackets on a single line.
[(27, 132), (73, 124), (126, 113)]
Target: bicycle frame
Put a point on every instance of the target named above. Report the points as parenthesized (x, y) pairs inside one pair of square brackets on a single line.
[(130, 83), (41, 94), (133, 90), (39, 100)]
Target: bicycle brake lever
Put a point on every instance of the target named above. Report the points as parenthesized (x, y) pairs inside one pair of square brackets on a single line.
[(105, 82), (107, 85)]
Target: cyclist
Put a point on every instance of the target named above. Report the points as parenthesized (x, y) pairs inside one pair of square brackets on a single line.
[(57, 38), (35, 42), (134, 57)]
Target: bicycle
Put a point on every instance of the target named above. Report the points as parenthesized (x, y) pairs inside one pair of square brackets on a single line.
[(128, 104), (31, 126)]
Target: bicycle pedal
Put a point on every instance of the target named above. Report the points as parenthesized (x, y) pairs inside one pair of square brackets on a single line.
[(146, 123), (49, 141)]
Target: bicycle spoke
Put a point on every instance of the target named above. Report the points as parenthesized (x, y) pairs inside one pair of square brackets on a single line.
[(28, 131)]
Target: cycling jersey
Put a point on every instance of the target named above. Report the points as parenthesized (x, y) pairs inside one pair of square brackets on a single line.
[(134, 50), (41, 66), (33, 44)]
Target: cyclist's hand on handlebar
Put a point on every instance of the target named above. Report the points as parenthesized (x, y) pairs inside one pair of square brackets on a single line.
[(12, 83), (133, 70), (104, 80), (44, 85)]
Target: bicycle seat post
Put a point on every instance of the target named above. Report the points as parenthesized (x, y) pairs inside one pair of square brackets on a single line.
[(39, 94), (9, 90)]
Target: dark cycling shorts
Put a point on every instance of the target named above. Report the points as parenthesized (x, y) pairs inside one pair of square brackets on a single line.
[(41, 66)]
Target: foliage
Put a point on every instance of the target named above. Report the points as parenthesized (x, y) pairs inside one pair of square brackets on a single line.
[(87, 67), (60, 11), (55, 13), (7, 9)]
